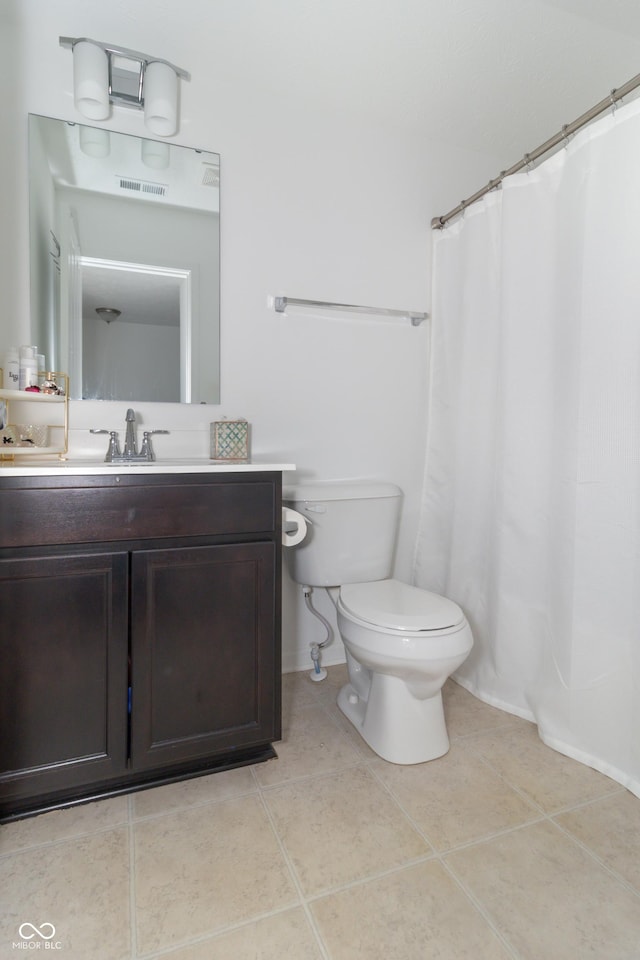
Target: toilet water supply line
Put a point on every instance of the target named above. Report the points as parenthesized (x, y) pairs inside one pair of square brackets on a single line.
[(318, 672), (292, 539)]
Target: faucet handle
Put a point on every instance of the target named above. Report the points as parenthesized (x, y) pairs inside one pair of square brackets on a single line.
[(114, 447), (146, 450), (113, 450)]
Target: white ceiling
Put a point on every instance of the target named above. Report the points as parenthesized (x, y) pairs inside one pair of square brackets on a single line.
[(141, 297), (491, 75), (494, 77)]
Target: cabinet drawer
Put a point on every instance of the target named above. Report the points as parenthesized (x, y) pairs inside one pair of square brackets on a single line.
[(132, 510)]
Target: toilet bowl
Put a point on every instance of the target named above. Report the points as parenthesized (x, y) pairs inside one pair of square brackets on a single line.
[(401, 642)]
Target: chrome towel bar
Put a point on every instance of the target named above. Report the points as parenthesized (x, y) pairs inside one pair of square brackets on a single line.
[(280, 304)]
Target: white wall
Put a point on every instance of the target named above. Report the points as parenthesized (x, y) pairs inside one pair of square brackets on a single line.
[(314, 204)]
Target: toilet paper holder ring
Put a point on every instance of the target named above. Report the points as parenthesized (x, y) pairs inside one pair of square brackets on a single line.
[(290, 538)]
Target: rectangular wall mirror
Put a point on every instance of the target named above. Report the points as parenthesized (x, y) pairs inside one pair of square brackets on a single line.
[(125, 263)]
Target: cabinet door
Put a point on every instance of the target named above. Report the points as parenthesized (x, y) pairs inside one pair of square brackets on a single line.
[(203, 652), (63, 683)]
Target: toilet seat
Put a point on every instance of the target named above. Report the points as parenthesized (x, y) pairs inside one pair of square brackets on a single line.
[(398, 606)]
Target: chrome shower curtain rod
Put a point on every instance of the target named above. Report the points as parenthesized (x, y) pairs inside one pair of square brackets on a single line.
[(569, 128)]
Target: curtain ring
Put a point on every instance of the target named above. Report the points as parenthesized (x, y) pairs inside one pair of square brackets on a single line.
[(565, 135), (614, 102), (528, 161)]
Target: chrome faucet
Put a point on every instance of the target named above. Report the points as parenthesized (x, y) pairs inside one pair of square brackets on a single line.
[(130, 453), (130, 450)]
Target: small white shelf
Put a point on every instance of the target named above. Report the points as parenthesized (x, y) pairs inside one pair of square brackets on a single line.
[(22, 395), (11, 452), (59, 426)]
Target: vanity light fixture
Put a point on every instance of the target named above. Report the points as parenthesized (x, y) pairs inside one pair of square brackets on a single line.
[(155, 154), (104, 74), (94, 141)]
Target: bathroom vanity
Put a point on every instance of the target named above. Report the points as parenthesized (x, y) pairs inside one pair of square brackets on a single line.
[(140, 628)]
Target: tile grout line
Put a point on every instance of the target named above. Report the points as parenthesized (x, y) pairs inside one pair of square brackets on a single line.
[(482, 911), (344, 736), (594, 856), (539, 814), (308, 777), (542, 817), (168, 952), (439, 854), (433, 855), (150, 817), (614, 790), (293, 873), (371, 878), (59, 841), (133, 911), (549, 817), (582, 804), (371, 765), (211, 936), (567, 808)]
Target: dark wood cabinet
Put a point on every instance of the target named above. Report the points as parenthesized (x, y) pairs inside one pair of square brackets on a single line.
[(212, 688), (139, 632), (63, 681)]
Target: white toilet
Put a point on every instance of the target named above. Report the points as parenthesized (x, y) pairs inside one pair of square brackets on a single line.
[(401, 642)]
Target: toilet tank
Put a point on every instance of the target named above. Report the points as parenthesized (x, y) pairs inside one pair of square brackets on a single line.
[(352, 531)]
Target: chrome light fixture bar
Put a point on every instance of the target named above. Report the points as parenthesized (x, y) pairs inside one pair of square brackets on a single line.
[(106, 74)]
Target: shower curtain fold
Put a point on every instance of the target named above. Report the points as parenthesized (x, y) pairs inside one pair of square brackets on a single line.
[(531, 507)]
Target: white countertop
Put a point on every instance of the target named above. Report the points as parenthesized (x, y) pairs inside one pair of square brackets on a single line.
[(79, 467)]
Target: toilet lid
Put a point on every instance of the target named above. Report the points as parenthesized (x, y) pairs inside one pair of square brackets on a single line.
[(399, 606)]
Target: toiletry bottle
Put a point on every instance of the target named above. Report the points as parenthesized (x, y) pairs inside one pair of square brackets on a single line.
[(12, 369), (28, 368)]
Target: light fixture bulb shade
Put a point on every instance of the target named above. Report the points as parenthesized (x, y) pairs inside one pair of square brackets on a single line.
[(155, 154), (91, 80), (95, 142), (161, 98)]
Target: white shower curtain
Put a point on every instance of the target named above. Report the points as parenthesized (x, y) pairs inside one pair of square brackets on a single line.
[(531, 513)]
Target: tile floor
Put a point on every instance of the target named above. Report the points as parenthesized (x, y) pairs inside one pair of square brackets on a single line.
[(502, 849)]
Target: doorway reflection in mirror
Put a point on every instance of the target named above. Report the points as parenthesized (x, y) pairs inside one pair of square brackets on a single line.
[(139, 228)]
